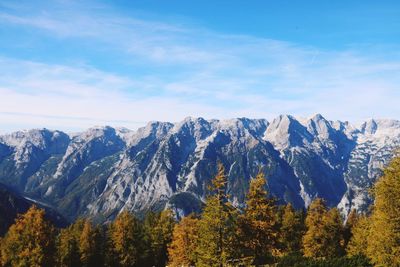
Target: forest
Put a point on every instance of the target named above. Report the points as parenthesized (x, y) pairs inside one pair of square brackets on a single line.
[(261, 233)]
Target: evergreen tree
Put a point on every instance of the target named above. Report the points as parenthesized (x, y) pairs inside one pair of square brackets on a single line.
[(182, 250), (216, 226), (29, 241), (323, 238), (292, 230), (359, 237), (384, 236), (126, 238), (259, 224)]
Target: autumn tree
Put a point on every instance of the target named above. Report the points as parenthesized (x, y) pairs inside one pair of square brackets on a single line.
[(358, 242), (68, 245), (333, 228), (217, 225), (292, 230), (90, 246), (182, 250), (29, 241), (324, 231), (384, 236), (351, 221), (259, 223), (159, 233), (126, 238)]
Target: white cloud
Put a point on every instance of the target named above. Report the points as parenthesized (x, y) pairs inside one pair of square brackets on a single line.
[(189, 72)]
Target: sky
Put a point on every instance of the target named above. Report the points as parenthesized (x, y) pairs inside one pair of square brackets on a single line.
[(70, 65)]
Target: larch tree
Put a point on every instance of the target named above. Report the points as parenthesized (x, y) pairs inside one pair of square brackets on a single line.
[(317, 241), (182, 250), (161, 236), (216, 226), (384, 236), (333, 229), (292, 230), (352, 219), (67, 249), (88, 246), (259, 223), (29, 241), (358, 242), (125, 235)]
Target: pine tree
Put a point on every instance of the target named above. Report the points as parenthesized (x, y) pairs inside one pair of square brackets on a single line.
[(259, 223), (292, 230), (126, 240), (384, 236), (182, 250), (359, 237), (323, 238), (216, 226), (29, 242)]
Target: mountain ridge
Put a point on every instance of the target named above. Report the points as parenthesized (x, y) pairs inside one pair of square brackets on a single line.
[(103, 170)]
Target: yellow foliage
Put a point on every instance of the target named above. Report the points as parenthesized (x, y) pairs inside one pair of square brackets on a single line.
[(29, 241), (384, 236), (182, 250)]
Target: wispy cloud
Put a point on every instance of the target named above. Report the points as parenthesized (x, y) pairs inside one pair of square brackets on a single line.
[(167, 71)]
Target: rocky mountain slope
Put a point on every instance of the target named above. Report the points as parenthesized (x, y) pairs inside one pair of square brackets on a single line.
[(12, 204), (103, 170)]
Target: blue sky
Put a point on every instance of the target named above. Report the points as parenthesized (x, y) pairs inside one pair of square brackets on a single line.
[(73, 64)]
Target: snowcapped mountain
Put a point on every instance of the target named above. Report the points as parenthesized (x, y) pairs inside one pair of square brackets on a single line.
[(103, 170)]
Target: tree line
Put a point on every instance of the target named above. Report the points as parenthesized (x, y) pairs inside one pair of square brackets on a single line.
[(261, 233)]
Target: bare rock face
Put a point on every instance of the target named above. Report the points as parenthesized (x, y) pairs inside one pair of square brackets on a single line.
[(103, 170)]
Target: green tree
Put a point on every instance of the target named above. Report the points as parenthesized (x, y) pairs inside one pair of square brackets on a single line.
[(29, 241), (216, 226), (259, 223), (182, 250), (384, 236)]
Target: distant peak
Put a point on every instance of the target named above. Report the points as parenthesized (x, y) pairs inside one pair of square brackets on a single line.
[(318, 117)]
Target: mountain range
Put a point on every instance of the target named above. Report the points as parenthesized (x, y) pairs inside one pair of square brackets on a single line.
[(101, 171)]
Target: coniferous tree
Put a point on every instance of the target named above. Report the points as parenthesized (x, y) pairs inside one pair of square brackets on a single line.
[(88, 246), (292, 230), (323, 238), (334, 234), (216, 226), (161, 237), (126, 241), (29, 241), (259, 224), (384, 236), (352, 219), (359, 237), (182, 250), (67, 249)]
